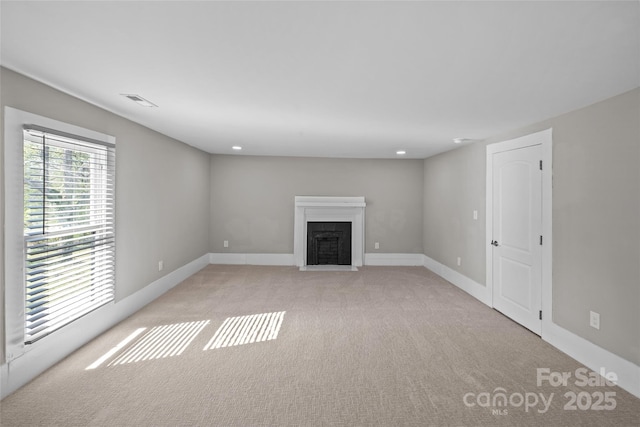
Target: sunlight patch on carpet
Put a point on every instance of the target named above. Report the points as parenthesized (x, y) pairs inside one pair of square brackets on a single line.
[(115, 349), (159, 342), (162, 341), (246, 329)]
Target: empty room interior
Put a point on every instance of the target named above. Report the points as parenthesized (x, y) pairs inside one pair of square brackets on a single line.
[(320, 213)]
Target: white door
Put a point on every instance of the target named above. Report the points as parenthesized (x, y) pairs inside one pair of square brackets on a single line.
[(517, 230)]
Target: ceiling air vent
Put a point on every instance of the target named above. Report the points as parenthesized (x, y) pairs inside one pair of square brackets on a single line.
[(139, 100)]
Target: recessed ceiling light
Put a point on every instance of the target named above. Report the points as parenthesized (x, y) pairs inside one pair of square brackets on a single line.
[(401, 152), (138, 100), (460, 140), (237, 147)]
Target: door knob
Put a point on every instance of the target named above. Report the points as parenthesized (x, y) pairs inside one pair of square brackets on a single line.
[(494, 242)]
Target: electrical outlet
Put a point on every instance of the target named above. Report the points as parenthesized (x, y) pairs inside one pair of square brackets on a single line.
[(594, 319), (377, 245), (226, 243), (459, 261), (160, 265)]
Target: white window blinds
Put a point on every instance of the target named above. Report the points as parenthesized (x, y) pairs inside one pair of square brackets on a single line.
[(69, 232)]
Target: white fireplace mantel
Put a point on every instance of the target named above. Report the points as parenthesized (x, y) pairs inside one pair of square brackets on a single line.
[(329, 209)]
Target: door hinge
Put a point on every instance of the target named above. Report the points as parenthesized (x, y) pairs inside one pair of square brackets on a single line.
[(540, 315), (540, 164), (541, 240)]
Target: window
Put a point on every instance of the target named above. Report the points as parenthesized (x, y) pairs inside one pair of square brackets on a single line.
[(69, 233)]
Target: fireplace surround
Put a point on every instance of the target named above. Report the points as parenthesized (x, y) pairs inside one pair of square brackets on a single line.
[(328, 209)]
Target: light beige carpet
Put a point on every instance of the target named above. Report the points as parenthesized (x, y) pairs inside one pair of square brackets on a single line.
[(383, 346)]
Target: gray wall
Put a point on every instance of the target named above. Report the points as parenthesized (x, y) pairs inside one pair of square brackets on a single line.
[(162, 185), (454, 186), (253, 200), (596, 218)]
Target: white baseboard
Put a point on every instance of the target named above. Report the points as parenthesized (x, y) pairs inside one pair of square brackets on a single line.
[(45, 354), (252, 259), (593, 356), (468, 285), (585, 352), (393, 259), (288, 259)]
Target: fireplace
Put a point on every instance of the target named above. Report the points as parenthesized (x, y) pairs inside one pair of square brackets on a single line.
[(312, 209), (328, 243)]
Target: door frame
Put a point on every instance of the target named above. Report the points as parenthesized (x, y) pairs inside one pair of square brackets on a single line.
[(543, 138)]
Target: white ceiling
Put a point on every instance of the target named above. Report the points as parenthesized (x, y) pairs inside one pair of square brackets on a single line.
[(335, 79)]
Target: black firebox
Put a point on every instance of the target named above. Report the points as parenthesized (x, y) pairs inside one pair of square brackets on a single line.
[(328, 243)]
